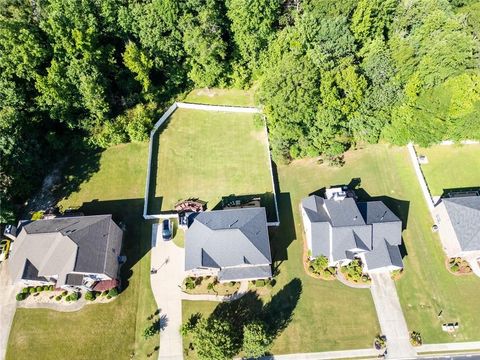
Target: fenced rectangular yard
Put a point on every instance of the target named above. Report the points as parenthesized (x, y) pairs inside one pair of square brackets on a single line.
[(210, 155)]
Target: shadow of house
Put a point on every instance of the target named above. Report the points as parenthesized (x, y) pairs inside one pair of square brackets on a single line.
[(282, 236), (137, 232)]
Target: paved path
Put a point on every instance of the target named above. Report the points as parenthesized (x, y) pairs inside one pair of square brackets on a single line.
[(343, 354), (168, 259), (8, 304), (449, 347), (390, 316)]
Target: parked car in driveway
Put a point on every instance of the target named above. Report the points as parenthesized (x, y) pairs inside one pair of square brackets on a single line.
[(167, 229), (4, 249)]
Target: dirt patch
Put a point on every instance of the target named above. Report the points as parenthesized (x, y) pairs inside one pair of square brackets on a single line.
[(259, 136)]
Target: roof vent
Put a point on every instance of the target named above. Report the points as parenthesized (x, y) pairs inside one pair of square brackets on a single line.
[(385, 213), (233, 223)]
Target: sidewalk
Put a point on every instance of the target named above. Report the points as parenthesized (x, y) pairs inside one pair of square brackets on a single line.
[(343, 354), (390, 317)]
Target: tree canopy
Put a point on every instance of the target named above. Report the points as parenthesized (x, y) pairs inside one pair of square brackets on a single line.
[(329, 75)]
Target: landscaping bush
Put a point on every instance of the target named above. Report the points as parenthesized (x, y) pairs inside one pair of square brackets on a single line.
[(416, 338), (454, 267), (73, 296), (109, 297), (105, 293), (65, 293), (68, 298), (58, 297), (353, 271), (31, 290), (39, 288), (190, 283), (21, 296), (211, 286), (26, 290), (90, 295), (113, 292), (46, 288), (50, 288), (380, 342)]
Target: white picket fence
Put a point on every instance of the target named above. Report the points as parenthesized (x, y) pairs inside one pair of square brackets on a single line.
[(219, 108)]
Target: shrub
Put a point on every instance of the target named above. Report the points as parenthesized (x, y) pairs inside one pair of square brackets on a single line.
[(149, 331), (211, 286), (68, 298), (50, 288), (416, 338), (113, 292), (109, 297), (90, 295), (189, 283), (58, 297), (26, 290), (46, 288), (65, 293), (454, 267), (31, 290), (105, 293), (21, 296), (73, 296), (39, 288)]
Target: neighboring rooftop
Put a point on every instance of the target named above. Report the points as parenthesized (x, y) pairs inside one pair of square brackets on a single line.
[(234, 240), (84, 244), (464, 213)]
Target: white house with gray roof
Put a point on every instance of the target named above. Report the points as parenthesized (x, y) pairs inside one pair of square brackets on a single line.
[(458, 220), (231, 244), (341, 229), (67, 252)]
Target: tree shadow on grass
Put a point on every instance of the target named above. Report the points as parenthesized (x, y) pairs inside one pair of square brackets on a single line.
[(276, 314)]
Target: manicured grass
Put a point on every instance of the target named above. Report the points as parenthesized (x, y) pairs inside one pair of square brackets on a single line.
[(331, 316), (208, 155), (450, 167), (232, 97), (112, 182)]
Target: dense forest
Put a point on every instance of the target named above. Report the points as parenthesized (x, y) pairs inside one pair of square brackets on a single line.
[(78, 74)]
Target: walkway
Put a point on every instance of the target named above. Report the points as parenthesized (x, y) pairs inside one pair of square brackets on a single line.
[(390, 317), (343, 354), (168, 259), (449, 347), (8, 305)]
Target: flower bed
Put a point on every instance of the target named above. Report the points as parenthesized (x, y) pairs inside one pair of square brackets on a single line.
[(319, 268), (458, 266), (353, 272), (209, 285)]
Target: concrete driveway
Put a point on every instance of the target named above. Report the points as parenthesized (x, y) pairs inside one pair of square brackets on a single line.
[(8, 304), (168, 259), (390, 316)]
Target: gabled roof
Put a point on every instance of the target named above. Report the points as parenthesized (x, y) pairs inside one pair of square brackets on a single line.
[(85, 244), (464, 213), (228, 238), (341, 227)]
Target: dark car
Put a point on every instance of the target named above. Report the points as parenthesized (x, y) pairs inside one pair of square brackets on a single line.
[(166, 229)]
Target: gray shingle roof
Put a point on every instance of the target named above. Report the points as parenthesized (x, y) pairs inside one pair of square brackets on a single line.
[(464, 213), (87, 244), (348, 225), (228, 238), (383, 255), (245, 272)]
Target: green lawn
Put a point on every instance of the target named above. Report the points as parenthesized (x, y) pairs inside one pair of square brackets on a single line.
[(330, 316), (231, 97), (209, 155), (450, 167), (113, 182)]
